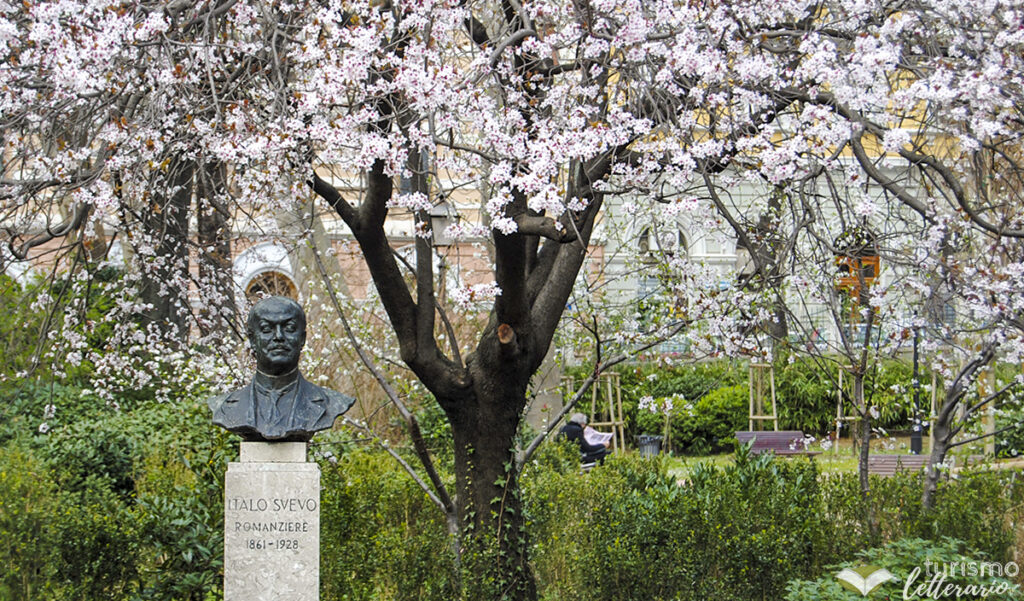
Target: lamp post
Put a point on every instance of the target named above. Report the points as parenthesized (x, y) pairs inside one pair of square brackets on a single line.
[(915, 435), (441, 217)]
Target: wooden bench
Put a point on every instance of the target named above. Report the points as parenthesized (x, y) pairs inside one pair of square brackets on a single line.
[(887, 465), (783, 442)]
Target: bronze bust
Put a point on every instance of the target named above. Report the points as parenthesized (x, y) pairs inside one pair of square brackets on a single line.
[(278, 405)]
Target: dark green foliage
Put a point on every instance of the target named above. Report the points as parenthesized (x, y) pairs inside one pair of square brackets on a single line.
[(381, 537), (96, 543), (805, 399), (630, 531), (807, 395), (27, 504), (436, 430), (978, 508), (1010, 443), (54, 544), (974, 508), (180, 504), (17, 348), (95, 449), (126, 504), (689, 384), (689, 381), (712, 422), (907, 558)]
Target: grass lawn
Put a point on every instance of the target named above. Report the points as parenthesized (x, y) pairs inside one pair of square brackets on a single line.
[(839, 458)]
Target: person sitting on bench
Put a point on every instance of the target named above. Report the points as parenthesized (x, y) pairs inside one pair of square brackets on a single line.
[(574, 431)]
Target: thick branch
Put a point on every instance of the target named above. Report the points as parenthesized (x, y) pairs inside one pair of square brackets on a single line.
[(546, 227), (959, 194), (71, 225), (334, 198), (515, 38), (958, 388), (891, 186), (510, 272)]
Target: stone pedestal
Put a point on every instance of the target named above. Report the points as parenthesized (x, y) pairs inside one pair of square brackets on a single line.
[(272, 524)]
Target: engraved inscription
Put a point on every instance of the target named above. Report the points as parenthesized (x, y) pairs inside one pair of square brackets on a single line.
[(260, 516)]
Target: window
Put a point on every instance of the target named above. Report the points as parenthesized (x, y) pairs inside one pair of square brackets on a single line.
[(270, 283), (264, 269)]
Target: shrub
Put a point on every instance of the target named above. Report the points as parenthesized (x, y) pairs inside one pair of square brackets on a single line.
[(1010, 443), (126, 504), (179, 492), (96, 543), (689, 382), (26, 537), (712, 422), (381, 537), (979, 508), (806, 398), (629, 531)]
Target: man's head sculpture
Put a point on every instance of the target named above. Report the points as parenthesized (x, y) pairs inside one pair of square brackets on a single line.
[(279, 405), (277, 333)]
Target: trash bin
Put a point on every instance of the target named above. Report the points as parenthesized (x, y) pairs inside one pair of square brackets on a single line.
[(649, 445)]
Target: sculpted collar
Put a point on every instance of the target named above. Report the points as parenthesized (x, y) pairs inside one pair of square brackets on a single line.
[(268, 381)]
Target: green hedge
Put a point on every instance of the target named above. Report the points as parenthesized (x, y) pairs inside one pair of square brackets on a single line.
[(980, 508), (381, 538), (127, 505), (1011, 415), (630, 531), (710, 424)]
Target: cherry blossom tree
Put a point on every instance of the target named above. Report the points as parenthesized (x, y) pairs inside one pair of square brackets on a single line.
[(972, 320), (136, 120)]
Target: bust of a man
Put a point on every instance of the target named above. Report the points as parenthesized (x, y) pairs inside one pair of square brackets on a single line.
[(278, 405)]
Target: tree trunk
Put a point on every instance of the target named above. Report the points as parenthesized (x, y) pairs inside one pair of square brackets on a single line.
[(940, 446), (484, 425), (862, 458), (163, 260), (217, 285)]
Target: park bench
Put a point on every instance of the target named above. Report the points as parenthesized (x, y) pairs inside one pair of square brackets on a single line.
[(887, 465), (783, 442)]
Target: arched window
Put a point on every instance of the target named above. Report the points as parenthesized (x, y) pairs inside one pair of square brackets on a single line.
[(265, 270), (271, 283)]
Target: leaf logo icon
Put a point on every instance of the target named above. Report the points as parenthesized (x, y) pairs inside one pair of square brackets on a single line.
[(865, 579)]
